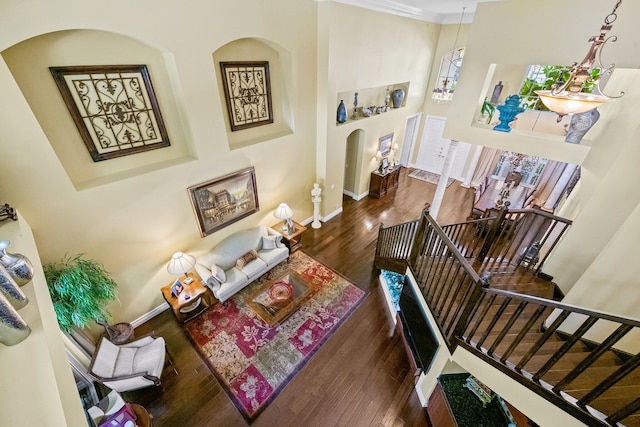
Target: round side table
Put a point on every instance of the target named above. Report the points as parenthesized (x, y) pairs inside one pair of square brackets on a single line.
[(143, 417), (119, 333)]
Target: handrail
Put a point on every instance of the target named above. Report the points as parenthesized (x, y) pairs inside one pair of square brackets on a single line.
[(550, 347)]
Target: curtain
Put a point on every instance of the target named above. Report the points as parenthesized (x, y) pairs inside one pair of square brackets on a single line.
[(489, 158), (546, 184)]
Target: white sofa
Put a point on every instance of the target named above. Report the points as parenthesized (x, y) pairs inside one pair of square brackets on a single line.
[(219, 268)]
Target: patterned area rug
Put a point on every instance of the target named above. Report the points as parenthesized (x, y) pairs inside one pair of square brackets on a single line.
[(253, 361), (430, 177)]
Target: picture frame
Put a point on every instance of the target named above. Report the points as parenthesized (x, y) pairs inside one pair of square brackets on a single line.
[(385, 144), (247, 93), (384, 164), (222, 201), (177, 288), (114, 108)]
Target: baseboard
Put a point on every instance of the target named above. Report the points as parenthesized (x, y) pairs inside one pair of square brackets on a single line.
[(332, 214), (150, 315)]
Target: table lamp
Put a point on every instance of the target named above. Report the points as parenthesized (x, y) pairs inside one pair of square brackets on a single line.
[(284, 212), (181, 263)]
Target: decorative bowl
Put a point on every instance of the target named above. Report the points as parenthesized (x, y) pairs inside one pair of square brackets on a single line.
[(280, 291)]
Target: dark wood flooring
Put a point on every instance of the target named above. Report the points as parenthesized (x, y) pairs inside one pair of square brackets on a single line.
[(359, 377)]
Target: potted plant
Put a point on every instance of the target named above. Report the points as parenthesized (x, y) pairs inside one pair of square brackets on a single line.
[(80, 290)]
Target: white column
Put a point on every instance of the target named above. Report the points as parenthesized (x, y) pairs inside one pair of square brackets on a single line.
[(444, 177), (472, 166)]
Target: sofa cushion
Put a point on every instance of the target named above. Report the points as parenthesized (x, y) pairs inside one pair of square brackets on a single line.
[(254, 267), (273, 256), (271, 242), (234, 277), (246, 259), (218, 273)]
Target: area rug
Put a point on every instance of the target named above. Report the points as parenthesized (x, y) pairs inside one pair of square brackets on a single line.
[(253, 361), (430, 177)]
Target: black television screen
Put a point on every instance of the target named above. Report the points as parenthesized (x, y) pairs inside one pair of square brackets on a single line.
[(422, 340)]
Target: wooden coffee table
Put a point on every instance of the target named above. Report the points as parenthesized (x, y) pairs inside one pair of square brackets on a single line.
[(276, 300)]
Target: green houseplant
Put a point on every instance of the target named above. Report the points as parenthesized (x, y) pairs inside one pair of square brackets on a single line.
[(552, 74), (80, 290)]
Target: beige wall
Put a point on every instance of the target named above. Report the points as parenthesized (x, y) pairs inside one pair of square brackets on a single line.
[(134, 223)]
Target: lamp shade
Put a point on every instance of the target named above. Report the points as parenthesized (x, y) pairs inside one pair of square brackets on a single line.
[(567, 102), (283, 211), (181, 263)]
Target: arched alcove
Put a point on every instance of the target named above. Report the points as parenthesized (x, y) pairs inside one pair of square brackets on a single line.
[(251, 50), (29, 63), (354, 155)]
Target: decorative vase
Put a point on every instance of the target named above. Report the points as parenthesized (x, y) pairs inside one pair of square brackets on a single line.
[(13, 329), (397, 97), (342, 112), (508, 113), (11, 291), (18, 265), (580, 124), (497, 91)]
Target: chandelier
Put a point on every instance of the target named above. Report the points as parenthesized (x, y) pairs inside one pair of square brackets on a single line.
[(444, 93), (567, 97)]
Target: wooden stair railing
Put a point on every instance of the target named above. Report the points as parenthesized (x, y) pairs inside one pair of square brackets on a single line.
[(565, 354)]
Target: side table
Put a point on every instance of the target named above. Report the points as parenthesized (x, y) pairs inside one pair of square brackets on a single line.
[(291, 240), (193, 298)]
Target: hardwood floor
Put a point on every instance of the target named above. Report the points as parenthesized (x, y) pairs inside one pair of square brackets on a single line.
[(359, 377)]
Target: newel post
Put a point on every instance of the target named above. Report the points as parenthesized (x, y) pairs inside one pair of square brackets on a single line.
[(493, 232)]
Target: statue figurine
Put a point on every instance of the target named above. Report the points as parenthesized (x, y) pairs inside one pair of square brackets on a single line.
[(316, 199)]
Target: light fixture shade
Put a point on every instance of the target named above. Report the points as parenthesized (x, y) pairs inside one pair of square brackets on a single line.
[(283, 211), (567, 102), (181, 263)]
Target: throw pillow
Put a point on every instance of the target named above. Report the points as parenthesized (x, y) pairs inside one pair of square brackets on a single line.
[(269, 242), (218, 274), (246, 259)]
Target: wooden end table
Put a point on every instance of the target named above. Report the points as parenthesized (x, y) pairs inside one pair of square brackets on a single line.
[(291, 240), (193, 298)]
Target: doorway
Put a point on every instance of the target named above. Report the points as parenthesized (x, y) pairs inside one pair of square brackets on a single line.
[(353, 164), (409, 141)]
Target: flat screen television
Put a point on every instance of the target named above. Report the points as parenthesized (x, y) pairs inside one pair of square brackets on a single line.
[(419, 334)]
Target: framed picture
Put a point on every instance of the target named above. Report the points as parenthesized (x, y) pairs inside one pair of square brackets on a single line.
[(113, 107), (225, 200), (385, 144), (385, 164), (247, 91), (176, 288)]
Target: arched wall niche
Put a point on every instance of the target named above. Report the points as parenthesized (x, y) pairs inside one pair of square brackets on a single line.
[(29, 62), (281, 77)]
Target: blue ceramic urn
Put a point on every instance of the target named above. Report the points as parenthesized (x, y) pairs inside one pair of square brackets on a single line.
[(342, 112), (508, 113)]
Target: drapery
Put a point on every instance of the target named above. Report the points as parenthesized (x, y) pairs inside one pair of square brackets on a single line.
[(487, 162), (546, 184)]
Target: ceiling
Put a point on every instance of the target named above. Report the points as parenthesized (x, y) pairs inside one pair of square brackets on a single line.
[(440, 11)]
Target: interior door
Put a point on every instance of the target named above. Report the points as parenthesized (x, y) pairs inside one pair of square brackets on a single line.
[(410, 135), (433, 147)]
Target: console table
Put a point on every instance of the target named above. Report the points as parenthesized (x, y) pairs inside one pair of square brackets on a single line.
[(383, 183)]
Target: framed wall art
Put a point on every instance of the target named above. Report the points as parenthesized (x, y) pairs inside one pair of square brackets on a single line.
[(225, 200), (247, 92), (114, 108), (385, 144)]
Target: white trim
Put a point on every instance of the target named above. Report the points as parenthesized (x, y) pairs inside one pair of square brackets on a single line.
[(149, 315), (332, 214)]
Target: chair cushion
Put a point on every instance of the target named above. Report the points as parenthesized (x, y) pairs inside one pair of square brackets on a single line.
[(104, 362), (150, 358), (124, 364)]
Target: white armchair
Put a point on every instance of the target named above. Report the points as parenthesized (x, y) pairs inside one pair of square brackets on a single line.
[(129, 366)]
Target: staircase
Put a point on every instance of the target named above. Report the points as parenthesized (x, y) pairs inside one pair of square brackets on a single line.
[(482, 282)]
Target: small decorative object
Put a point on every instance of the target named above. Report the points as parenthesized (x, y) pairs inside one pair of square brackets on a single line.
[(7, 212), (497, 91), (484, 393), (225, 200), (114, 108), (341, 116), (181, 263), (387, 97), (384, 165), (508, 112), (247, 90), (18, 265), (316, 199), (580, 124), (280, 291), (13, 329), (355, 106), (285, 213), (10, 289), (488, 109), (176, 288), (398, 97), (381, 109), (385, 145), (368, 111), (80, 290)]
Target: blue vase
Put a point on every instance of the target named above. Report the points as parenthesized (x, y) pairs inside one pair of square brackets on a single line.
[(508, 113), (397, 97), (341, 117)]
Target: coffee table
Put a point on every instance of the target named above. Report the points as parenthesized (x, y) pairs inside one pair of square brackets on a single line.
[(276, 300)]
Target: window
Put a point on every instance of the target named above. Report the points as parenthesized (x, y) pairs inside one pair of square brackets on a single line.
[(530, 167)]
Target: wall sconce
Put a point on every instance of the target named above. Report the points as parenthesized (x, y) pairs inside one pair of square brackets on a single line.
[(284, 212), (181, 263), (566, 97)]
